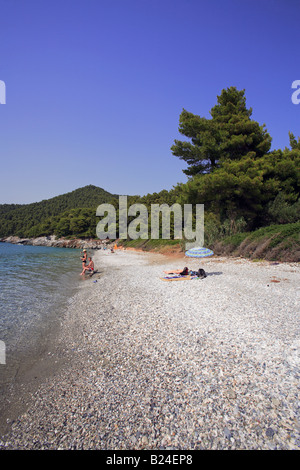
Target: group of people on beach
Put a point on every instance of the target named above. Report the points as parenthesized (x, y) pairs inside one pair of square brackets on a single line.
[(86, 267)]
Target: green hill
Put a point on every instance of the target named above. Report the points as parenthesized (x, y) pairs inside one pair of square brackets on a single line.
[(68, 214)]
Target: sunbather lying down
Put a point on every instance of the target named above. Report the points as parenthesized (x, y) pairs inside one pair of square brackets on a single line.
[(183, 271)]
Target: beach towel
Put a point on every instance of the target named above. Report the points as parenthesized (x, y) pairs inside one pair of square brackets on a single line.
[(200, 274), (178, 277)]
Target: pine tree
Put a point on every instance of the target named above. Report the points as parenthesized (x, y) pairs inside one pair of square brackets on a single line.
[(229, 134)]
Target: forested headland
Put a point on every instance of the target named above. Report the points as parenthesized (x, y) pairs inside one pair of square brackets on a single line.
[(250, 192)]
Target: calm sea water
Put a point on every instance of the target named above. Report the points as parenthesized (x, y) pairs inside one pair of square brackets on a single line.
[(35, 285)]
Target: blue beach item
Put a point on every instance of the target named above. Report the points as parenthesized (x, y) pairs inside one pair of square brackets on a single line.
[(199, 252)]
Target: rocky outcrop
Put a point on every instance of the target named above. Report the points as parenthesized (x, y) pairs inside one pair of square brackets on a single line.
[(92, 244)]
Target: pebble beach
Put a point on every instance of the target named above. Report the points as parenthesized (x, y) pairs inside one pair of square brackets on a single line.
[(141, 363)]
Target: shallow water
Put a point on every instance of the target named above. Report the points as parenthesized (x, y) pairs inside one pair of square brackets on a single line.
[(36, 284)]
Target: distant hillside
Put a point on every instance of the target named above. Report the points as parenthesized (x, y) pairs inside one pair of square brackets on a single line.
[(4, 208), (49, 216)]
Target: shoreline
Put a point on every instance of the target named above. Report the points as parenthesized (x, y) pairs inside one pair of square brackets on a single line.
[(52, 241), (89, 244), (166, 250), (147, 364)]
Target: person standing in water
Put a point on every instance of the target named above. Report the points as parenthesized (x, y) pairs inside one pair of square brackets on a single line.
[(84, 258)]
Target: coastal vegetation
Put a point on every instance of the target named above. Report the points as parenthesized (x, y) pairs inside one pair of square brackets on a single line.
[(70, 214), (250, 192)]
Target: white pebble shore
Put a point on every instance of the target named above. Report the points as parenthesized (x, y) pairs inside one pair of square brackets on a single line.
[(203, 364)]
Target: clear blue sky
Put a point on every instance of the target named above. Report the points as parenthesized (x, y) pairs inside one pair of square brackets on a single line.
[(94, 88)]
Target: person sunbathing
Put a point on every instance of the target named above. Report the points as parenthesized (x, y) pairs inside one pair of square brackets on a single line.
[(200, 273), (183, 271), (88, 267)]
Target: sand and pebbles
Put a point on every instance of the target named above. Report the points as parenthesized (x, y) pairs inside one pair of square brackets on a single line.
[(148, 364)]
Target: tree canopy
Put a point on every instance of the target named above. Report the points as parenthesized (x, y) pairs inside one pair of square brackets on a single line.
[(230, 134), (245, 187)]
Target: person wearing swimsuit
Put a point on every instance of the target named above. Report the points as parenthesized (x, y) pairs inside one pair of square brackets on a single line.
[(89, 267), (84, 258)]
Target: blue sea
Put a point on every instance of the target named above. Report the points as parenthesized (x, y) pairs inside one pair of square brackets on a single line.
[(36, 284)]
